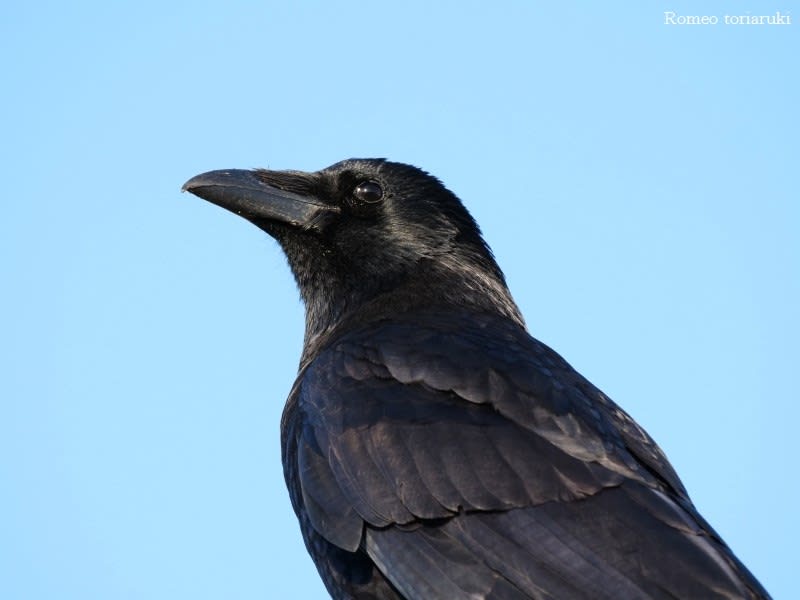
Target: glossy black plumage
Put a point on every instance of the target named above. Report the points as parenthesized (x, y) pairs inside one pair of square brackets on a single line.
[(433, 448)]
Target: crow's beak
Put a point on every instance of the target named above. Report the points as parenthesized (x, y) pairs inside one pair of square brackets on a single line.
[(250, 195)]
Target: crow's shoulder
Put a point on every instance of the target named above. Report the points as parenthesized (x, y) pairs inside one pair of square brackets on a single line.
[(426, 415)]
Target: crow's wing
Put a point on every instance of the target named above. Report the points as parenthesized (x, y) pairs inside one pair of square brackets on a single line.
[(473, 461)]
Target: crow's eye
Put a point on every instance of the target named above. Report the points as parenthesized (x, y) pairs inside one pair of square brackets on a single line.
[(368, 191)]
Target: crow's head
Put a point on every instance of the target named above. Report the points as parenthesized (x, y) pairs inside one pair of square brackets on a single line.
[(364, 233)]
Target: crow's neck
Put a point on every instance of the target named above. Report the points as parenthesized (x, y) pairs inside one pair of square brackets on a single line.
[(336, 300)]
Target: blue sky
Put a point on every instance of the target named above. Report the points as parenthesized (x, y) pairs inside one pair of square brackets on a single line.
[(637, 182)]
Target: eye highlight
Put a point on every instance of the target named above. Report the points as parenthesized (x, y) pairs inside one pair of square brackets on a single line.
[(368, 192)]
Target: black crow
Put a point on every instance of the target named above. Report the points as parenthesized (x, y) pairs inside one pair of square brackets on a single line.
[(432, 448)]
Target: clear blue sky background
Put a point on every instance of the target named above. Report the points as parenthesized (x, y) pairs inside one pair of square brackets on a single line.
[(637, 181)]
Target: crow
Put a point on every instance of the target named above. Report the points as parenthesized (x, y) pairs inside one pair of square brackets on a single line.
[(432, 448)]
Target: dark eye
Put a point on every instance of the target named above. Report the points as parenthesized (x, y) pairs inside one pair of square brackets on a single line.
[(368, 191)]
